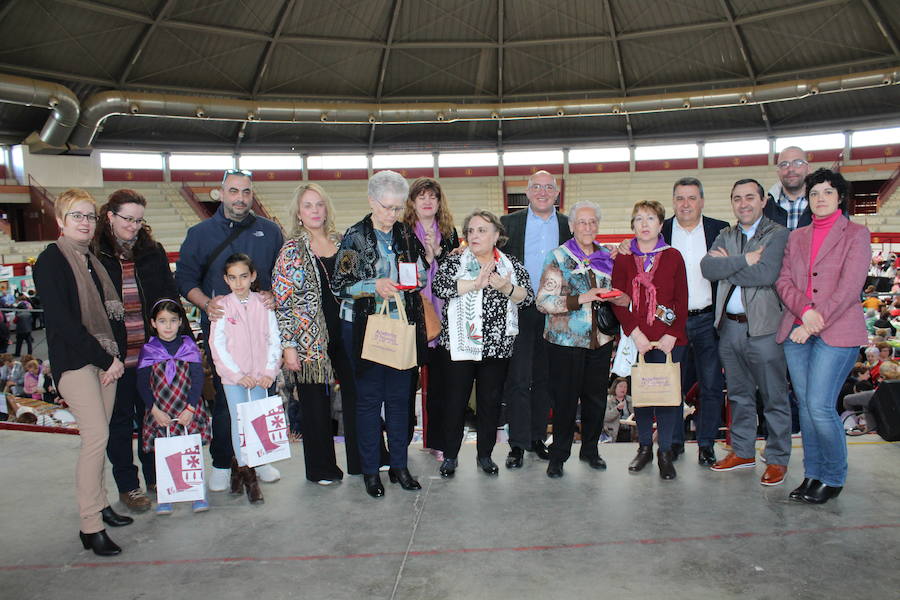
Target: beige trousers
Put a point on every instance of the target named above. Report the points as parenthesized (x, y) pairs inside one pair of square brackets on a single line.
[(92, 405)]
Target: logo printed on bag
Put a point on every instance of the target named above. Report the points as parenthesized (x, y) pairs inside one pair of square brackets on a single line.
[(272, 430), (385, 337), (656, 382), (185, 468)]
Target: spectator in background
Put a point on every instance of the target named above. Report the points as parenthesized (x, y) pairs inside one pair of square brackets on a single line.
[(871, 301), (4, 333), (30, 380), (787, 204), (35, 302), (23, 328), (883, 322), (618, 407)]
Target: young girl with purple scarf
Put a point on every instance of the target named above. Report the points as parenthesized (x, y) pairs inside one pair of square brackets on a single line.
[(428, 214), (170, 381)]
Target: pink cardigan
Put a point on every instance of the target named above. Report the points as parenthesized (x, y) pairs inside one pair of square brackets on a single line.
[(838, 276)]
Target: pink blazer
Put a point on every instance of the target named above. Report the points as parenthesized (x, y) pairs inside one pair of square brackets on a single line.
[(839, 274)]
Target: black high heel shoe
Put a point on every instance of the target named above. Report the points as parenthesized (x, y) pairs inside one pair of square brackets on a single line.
[(797, 494), (100, 543), (403, 476), (374, 486), (819, 493), (114, 519)]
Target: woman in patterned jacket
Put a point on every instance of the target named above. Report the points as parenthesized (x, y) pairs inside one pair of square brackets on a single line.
[(483, 289), (307, 314), (575, 278)]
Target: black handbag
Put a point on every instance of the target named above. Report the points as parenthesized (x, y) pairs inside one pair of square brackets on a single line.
[(607, 322)]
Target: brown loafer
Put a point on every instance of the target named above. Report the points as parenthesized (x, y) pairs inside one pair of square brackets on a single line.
[(136, 500), (732, 462), (774, 475)]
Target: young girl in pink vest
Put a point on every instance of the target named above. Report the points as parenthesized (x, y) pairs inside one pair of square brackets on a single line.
[(170, 382), (246, 349)]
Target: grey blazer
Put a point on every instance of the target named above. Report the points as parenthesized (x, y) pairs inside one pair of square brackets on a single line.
[(757, 281)]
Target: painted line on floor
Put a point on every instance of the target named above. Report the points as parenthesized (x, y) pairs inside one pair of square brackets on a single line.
[(445, 551)]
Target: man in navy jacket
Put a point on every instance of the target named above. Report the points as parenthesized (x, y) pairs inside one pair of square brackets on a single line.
[(200, 279)]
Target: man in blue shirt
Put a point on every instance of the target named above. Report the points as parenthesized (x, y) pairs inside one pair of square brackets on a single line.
[(533, 233), (200, 279)]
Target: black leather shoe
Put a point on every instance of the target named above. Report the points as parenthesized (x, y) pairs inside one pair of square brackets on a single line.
[(706, 456), (539, 448), (594, 462), (487, 465), (373, 485), (797, 494), (405, 478), (643, 457), (514, 458), (448, 467), (666, 463), (819, 493), (114, 519), (100, 543), (555, 469), (677, 450)]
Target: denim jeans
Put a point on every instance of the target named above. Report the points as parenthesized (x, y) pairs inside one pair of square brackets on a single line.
[(238, 394), (817, 373)]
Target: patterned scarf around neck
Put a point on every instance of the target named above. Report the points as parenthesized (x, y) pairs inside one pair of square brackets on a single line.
[(97, 322), (646, 267), (154, 352)]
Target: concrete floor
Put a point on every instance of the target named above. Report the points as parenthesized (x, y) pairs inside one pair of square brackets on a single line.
[(518, 535)]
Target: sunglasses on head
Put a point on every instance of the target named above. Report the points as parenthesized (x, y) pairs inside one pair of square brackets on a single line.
[(241, 172)]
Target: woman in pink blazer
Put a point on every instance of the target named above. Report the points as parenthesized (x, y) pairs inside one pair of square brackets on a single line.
[(822, 275)]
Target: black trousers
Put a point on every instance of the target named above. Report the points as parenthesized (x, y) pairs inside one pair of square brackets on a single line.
[(488, 376), (27, 339), (434, 397), (526, 393), (220, 447), (343, 372), (318, 441), (128, 411), (579, 374)]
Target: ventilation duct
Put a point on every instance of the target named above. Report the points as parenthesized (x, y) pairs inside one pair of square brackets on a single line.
[(59, 99), (105, 104)]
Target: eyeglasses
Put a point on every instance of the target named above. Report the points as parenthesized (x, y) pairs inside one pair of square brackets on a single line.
[(796, 163), (241, 172), (589, 223), (131, 220), (393, 209), (79, 217), (536, 187)]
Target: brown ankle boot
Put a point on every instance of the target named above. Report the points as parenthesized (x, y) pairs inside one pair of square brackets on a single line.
[(251, 484), (237, 485)]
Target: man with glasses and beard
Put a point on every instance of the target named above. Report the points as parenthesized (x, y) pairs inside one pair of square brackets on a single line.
[(787, 204)]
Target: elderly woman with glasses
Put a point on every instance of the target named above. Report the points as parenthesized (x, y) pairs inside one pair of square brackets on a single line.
[(575, 285), (482, 289), (139, 269), (376, 256), (86, 343)]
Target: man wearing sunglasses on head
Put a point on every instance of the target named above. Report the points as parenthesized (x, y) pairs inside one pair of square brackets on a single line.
[(787, 204), (232, 229)]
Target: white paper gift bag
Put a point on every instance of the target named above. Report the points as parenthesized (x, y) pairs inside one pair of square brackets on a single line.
[(179, 468), (263, 430)]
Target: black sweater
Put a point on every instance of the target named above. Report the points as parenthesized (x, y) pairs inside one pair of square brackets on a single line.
[(69, 343)]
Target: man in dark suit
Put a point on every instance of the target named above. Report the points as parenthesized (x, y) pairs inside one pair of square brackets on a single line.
[(692, 234), (532, 233)]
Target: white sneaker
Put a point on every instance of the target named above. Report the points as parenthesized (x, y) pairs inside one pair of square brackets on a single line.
[(268, 473), (219, 480)]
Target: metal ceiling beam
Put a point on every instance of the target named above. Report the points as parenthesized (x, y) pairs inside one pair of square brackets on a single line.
[(106, 9), (501, 47), (745, 55), (613, 34), (286, 9), (135, 53), (247, 34), (385, 58), (7, 6), (882, 26)]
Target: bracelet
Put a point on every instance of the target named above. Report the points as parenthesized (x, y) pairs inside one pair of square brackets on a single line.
[(206, 306), (190, 409), (512, 289)]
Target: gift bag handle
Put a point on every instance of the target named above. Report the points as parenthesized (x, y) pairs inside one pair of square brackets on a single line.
[(640, 357), (401, 310)]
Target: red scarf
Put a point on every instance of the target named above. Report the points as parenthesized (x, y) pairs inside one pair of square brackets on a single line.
[(645, 278)]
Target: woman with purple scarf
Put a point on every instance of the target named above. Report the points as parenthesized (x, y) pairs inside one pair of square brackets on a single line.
[(654, 273), (576, 277), (428, 214)]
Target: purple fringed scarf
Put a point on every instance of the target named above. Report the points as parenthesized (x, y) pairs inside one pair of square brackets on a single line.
[(599, 259), (644, 276), (154, 352), (432, 270)]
